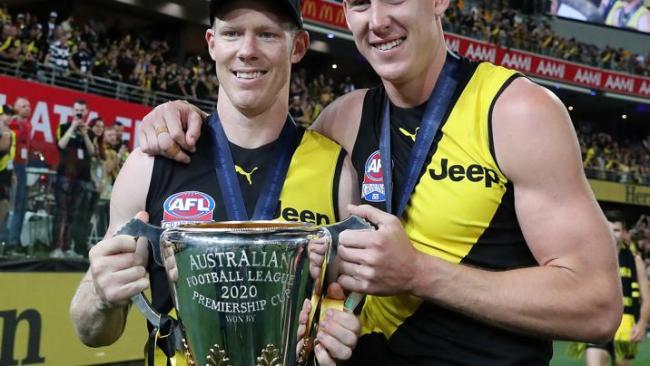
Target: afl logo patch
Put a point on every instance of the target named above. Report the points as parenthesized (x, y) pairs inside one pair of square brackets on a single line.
[(372, 189), (188, 206)]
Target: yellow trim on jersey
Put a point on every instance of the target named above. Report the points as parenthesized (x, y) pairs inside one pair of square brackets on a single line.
[(448, 214), (625, 272), (307, 194), (9, 156)]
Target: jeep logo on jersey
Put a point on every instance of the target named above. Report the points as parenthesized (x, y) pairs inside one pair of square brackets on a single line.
[(372, 189), (457, 173), (188, 206), (297, 215)]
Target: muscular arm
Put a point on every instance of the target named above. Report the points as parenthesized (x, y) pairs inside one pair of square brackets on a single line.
[(348, 188), (99, 322), (182, 123), (340, 120), (574, 293)]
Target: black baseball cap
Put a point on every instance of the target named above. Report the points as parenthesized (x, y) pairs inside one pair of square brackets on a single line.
[(291, 6)]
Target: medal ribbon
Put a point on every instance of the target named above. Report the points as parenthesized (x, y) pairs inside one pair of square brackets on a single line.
[(267, 202), (431, 120)]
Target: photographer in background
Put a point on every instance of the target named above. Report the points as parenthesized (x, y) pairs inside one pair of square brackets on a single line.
[(73, 185)]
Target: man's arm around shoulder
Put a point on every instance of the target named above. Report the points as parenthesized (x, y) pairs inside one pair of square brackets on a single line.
[(340, 120)]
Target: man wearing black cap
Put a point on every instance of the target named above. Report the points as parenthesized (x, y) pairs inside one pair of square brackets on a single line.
[(253, 44)]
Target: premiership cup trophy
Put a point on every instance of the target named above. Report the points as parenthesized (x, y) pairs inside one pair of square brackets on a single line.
[(238, 287)]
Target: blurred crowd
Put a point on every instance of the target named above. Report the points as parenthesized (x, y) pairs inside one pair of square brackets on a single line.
[(92, 151), (495, 22), (88, 49), (308, 97), (62, 210), (607, 159)]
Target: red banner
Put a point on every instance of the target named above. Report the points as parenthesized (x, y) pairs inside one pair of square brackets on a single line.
[(331, 14), (551, 68), (52, 105)]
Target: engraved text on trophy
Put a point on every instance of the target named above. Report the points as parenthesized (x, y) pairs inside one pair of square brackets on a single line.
[(236, 278)]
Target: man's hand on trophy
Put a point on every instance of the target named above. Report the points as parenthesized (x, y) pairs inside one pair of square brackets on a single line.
[(317, 249), (381, 262), (338, 331), (118, 268), (170, 263), (302, 327), (171, 130)]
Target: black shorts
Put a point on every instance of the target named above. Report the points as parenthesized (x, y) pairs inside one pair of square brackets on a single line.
[(609, 348)]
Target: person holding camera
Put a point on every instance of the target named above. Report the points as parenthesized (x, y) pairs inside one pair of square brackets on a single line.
[(73, 183)]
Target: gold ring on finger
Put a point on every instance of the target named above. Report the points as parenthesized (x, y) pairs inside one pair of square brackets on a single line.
[(161, 129)]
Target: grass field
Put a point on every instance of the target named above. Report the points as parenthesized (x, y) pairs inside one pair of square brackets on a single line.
[(561, 359)]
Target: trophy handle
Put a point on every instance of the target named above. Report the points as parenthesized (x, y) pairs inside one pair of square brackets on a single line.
[(138, 228), (332, 271)]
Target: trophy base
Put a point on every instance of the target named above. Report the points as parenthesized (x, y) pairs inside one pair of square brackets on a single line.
[(270, 356)]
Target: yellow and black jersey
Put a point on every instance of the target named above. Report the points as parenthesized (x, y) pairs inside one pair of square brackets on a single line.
[(461, 210), (629, 280), (7, 157), (190, 192), (622, 345), (6, 173)]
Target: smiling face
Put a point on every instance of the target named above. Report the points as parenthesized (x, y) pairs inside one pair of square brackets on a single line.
[(253, 47), (397, 37)]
